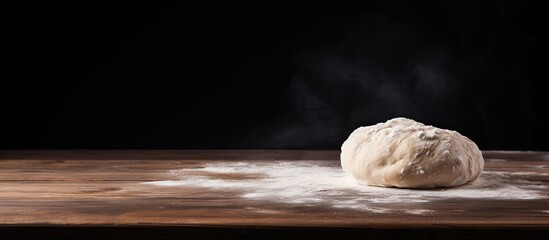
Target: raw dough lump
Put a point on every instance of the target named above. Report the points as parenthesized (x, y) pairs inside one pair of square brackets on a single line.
[(404, 153)]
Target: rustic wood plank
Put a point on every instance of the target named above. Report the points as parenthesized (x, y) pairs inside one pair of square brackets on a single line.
[(236, 189)]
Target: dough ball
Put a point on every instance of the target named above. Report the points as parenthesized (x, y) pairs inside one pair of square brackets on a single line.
[(404, 153)]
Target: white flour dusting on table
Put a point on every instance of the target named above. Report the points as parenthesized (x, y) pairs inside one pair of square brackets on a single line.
[(308, 183)]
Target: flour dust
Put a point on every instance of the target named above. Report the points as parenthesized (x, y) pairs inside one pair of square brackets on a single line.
[(309, 183)]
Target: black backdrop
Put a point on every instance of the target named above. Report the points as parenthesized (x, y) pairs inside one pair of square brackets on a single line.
[(269, 74)]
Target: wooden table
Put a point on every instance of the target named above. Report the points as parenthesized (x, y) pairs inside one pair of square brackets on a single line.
[(256, 193)]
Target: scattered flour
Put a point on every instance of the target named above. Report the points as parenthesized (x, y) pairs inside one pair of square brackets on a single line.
[(309, 183), (497, 160), (419, 211)]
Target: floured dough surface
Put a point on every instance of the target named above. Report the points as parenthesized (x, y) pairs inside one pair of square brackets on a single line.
[(407, 154)]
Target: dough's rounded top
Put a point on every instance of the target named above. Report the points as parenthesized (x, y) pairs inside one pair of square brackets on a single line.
[(408, 154)]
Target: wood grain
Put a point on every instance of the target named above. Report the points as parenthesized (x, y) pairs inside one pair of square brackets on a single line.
[(104, 188)]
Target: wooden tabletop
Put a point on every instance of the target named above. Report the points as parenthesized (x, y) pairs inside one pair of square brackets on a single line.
[(257, 189)]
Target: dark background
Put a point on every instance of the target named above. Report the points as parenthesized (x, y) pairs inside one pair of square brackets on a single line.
[(270, 74)]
